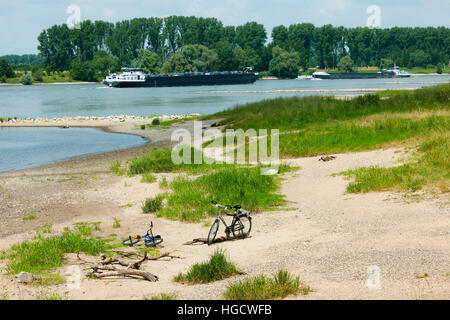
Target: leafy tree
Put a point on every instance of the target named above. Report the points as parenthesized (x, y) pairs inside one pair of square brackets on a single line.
[(59, 46), (83, 71), (147, 60), (226, 61), (6, 70), (439, 68), (251, 35), (30, 59), (102, 62), (386, 63), (191, 58), (284, 64), (419, 58), (246, 58), (345, 64)]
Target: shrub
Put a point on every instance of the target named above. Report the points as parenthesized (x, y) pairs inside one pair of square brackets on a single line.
[(37, 76), (26, 79), (156, 122)]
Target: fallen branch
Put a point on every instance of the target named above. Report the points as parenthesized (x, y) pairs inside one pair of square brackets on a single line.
[(146, 275)]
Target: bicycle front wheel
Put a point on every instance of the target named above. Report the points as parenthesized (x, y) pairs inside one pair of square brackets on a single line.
[(213, 231), (242, 227)]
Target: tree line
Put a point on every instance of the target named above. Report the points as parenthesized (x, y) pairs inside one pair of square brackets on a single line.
[(178, 44)]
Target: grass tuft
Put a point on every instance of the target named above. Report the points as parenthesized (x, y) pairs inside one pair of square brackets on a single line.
[(152, 205), (53, 296), (261, 287), (218, 267), (163, 296), (116, 223), (148, 178), (42, 254)]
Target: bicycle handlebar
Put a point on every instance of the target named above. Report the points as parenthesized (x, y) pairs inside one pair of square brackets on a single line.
[(218, 205)]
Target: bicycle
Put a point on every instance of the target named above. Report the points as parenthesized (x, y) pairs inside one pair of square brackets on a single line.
[(240, 226), (150, 240)]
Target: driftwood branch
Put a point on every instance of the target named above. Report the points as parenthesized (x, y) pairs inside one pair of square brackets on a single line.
[(116, 266), (146, 275)]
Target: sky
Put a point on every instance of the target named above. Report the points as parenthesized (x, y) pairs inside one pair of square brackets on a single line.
[(21, 21)]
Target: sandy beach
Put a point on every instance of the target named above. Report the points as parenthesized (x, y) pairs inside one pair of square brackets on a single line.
[(326, 237)]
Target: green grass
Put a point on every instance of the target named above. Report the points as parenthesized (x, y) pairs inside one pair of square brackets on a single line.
[(29, 218), (152, 205), (148, 178), (49, 279), (86, 229), (43, 254), (348, 136), (161, 161), (116, 167), (116, 223), (432, 168), (163, 296), (4, 296), (298, 112), (218, 267), (53, 296), (190, 200), (261, 287)]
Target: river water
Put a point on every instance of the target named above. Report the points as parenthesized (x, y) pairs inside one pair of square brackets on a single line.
[(22, 148), (27, 147)]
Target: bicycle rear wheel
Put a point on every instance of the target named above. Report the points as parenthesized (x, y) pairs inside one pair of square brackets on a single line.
[(213, 231), (242, 227), (156, 241), (131, 241)]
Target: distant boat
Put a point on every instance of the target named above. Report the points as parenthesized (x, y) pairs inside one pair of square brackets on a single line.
[(304, 77), (134, 77), (385, 73)]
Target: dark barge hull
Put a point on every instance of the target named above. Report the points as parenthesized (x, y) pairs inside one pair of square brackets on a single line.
[(354, 75), (187, 80)]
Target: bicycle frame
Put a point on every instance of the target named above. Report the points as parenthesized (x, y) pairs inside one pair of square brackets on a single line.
[(227, 227)]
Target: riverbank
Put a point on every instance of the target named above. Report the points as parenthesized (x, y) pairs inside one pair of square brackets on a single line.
[(50, 83)]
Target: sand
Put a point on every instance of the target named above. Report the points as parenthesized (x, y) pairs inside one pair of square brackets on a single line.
[(326, 237)]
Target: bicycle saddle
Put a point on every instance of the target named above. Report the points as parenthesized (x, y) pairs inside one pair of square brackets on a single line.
[(237, 207)]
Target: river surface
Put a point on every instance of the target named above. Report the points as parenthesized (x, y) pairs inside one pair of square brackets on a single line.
[(22, 148)]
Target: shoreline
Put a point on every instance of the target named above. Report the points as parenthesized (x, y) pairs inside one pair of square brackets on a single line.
[(50, 83), (156, 137)]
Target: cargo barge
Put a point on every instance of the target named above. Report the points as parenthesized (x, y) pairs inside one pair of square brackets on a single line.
[(386, 73), (134, 77)]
